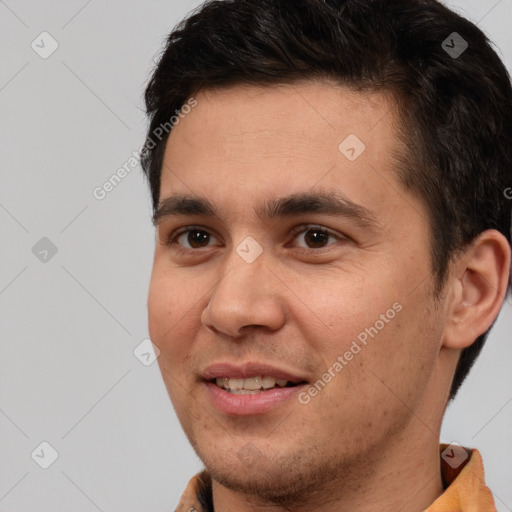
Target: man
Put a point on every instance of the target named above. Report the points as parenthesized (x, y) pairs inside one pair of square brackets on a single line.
[(333, 246)]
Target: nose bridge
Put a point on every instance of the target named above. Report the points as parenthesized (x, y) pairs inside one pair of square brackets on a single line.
[(243, 295)]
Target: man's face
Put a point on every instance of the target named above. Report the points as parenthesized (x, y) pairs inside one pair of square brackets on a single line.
[(307, 290)]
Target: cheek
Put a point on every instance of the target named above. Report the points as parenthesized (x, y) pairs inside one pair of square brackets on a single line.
[(344, 309), (170, 301), (175, 304), (386, 336), (398, 358), (160, 309)]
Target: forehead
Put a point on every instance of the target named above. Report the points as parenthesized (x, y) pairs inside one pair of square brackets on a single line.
[(247, 142), (296, 119)]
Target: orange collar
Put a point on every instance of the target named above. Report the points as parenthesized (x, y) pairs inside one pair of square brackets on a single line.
[(461, 469), (464, 483)]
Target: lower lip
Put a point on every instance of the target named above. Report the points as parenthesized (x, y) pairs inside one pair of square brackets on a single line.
[(250, 404)]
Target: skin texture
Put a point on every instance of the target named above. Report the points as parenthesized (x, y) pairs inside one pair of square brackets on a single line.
[(369, 439)]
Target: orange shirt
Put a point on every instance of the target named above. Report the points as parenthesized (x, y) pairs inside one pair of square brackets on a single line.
[(465, 489)]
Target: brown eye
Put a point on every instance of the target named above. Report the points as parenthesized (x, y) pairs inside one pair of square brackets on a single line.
[(192, 238), (315, 237), (197, 238)]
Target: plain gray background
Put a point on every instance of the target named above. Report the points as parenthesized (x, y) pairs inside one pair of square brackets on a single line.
[(70, 321)]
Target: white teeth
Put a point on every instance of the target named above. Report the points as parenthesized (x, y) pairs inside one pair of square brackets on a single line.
[(268, 382), (250, 385), (236, 383)]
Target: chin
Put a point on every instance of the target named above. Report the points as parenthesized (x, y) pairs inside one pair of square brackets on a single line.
[(283, 479), (266, 483)]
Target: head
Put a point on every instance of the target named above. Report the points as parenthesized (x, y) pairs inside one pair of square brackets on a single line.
[(276, 91)]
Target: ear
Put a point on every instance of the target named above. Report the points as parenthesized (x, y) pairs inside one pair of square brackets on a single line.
[(477, 287)]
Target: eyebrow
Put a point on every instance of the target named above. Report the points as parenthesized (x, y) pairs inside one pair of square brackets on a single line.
[(328, 203)]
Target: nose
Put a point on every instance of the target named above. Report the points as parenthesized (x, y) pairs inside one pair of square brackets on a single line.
[(248, 295)]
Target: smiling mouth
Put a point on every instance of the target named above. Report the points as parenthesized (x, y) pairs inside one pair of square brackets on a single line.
[(252, 385)]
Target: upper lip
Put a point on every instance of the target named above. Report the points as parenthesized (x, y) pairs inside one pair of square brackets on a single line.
[(247, 370)]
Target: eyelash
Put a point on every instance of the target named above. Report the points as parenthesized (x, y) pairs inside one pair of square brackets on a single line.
[(303, 228)]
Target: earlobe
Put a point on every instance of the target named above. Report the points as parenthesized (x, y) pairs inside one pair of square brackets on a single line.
[(478, 285)]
